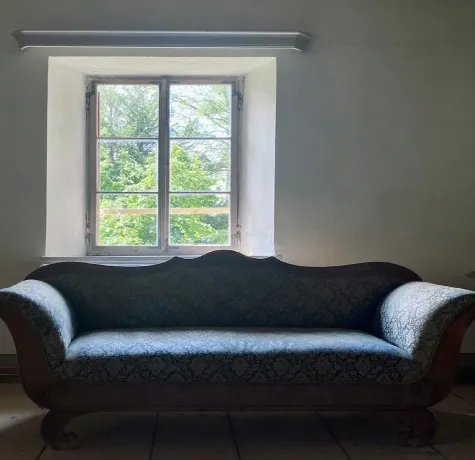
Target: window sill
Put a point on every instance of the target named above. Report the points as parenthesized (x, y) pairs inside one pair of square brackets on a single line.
[(124, 260)]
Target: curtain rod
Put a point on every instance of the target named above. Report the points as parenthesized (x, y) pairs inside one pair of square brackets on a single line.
[(160, 39)]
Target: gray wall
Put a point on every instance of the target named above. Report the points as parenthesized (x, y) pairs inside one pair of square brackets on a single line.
[(375, 139)]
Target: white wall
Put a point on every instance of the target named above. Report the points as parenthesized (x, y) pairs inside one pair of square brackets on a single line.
[(257, 162), (66, 165), (374, 135)]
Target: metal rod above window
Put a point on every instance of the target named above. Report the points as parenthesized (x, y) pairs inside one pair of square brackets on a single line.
[(161, 39)]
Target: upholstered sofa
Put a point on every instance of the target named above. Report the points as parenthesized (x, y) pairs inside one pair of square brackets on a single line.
[(227, 332)]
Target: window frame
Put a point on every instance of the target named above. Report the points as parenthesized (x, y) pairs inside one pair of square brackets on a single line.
[(163, 192)]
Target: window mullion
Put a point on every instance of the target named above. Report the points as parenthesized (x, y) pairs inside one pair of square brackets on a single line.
[(163, 162)]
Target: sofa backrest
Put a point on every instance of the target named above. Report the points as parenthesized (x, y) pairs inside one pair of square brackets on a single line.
[(224, 289)]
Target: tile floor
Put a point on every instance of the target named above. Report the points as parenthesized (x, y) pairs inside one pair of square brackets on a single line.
[(245, 436)]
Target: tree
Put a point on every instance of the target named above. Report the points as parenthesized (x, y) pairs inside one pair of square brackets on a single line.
[(131, 166)]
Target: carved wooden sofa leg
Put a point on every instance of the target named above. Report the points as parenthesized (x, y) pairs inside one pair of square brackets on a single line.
[(422, 427), (52, 430)]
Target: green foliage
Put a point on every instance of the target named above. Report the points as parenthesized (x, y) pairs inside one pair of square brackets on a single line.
[(131, 166)]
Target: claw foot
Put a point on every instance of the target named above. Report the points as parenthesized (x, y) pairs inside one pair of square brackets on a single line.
[(409, 439), (68, 441), (52, 430), (422, 427)]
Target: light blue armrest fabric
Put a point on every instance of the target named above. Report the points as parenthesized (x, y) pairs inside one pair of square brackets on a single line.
[(47, 310), (415, 316)]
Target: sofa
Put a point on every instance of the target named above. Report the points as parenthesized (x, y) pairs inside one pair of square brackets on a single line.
[(226, 332)]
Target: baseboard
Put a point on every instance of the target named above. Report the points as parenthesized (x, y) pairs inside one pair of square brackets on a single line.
[(8, 365)]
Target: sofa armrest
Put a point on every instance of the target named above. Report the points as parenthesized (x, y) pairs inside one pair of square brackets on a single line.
[(416, 315), (45, 310)]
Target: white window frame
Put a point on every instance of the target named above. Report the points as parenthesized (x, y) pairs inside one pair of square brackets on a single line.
[(163, 247)]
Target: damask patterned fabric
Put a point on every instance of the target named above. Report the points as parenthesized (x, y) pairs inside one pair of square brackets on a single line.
[(224, 296), (236, 322), (225, 355), (47, 310), (415, 316)]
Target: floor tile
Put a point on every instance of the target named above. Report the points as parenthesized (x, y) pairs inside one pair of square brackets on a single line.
[(365, 435), (109, 437), (19, 435), (455, 437), (197, 436), (284, 436), (466, 392), (19, 424)]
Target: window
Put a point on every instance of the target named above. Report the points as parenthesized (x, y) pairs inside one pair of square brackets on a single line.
[(163, 165)]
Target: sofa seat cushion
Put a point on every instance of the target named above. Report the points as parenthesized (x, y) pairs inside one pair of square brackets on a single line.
[(235, 355)]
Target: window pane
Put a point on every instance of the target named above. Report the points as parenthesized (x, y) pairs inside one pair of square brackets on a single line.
[(199, 219), (128, 166), (128, 110), (127, 220), (200, 110), (200, 166)]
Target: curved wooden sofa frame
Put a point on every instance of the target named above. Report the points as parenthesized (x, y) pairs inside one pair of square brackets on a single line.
[(67, 401)]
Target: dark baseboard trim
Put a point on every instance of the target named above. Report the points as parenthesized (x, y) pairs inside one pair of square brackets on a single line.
[(8, 365)]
